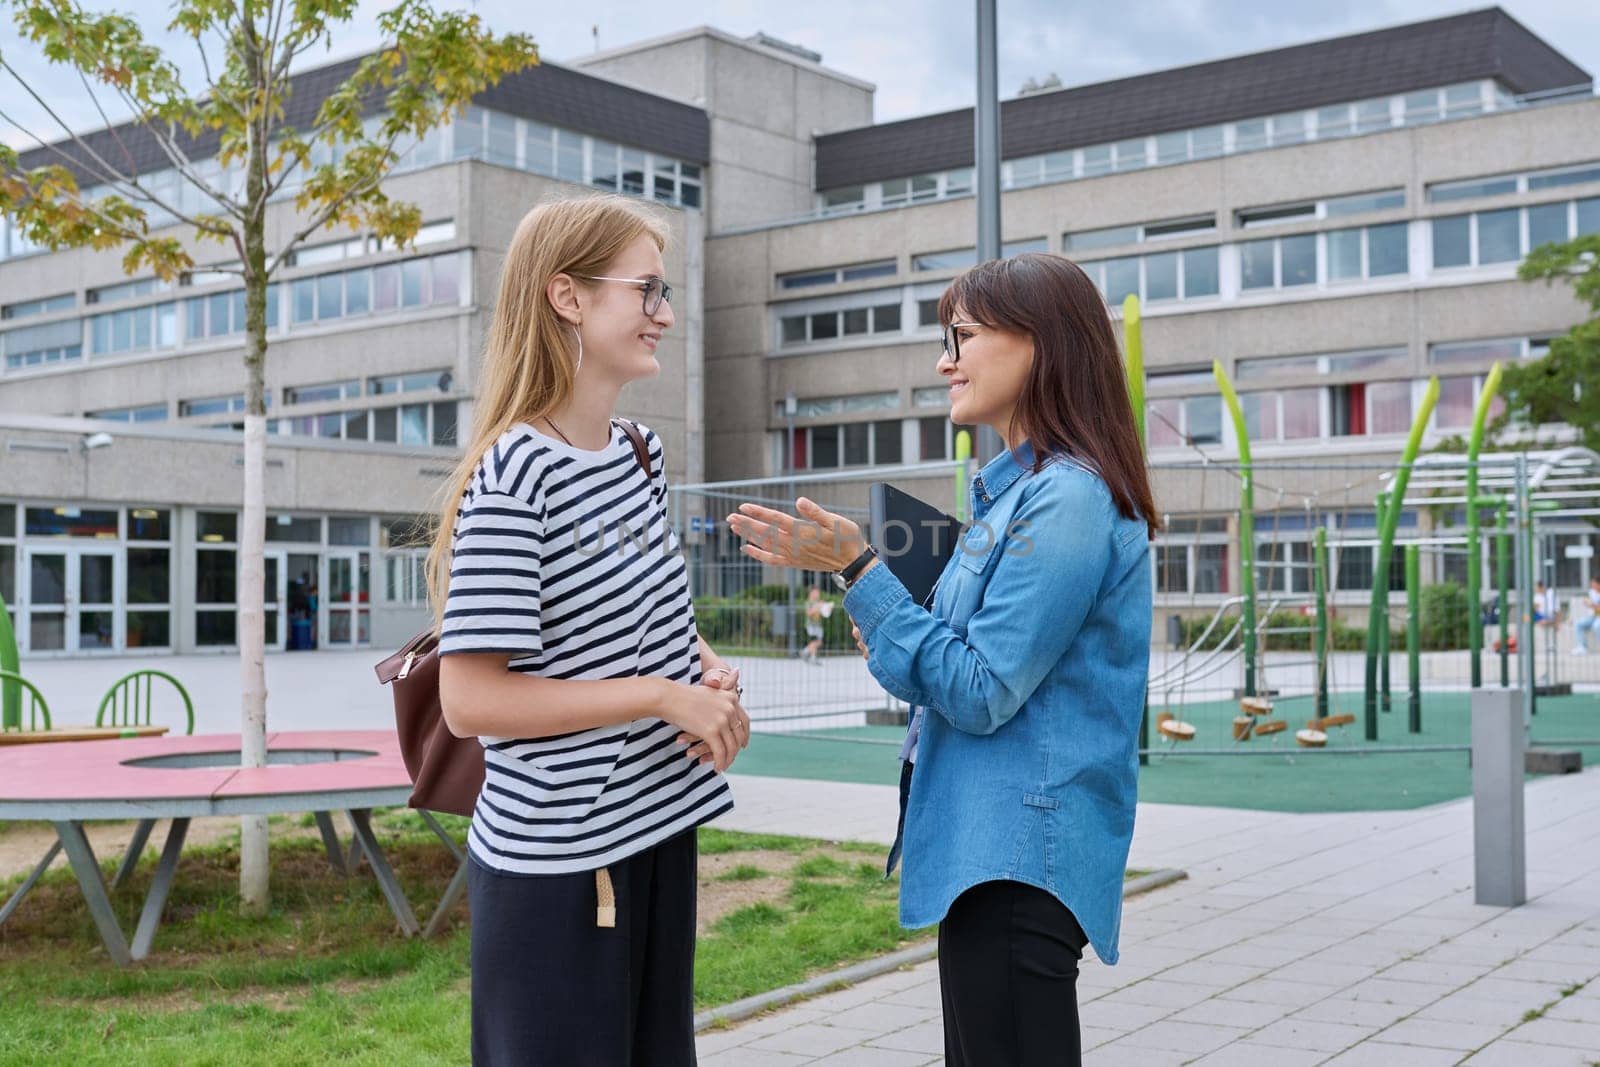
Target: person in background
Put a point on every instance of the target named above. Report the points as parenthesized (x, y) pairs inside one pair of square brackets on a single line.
[(1582, 628), (814, 617)]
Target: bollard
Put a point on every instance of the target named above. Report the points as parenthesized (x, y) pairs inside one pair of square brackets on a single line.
[(1498, 842)]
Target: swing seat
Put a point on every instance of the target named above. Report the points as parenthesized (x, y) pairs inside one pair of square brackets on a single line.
[(1255, 705), (1330, 721), (1172, 729), (1271, 726), (1311, 738), (1243, 726)]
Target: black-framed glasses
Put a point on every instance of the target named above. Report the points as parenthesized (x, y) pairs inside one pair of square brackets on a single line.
[(952, 339), (654, 288)]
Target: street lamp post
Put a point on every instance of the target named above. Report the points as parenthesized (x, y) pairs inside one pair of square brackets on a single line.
[(986, 154), (790, 406)]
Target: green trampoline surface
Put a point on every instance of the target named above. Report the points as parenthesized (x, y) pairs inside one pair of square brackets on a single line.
[(1291, 780)]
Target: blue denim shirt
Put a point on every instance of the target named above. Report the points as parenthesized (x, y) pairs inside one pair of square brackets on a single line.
[(1033, 665)]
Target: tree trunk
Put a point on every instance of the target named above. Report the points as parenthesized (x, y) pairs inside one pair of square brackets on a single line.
[(254, 891)]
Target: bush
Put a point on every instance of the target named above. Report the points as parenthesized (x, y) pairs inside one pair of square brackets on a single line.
[(1445, 617)]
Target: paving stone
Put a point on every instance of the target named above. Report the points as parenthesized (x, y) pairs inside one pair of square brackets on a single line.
[(1193, 1038), (809, 1039), (1524, 1054), (1564, 1032), (925, 1037), (1310, 1035), (880, 1017), (1343, 1009), (1436, 1033), (1245, 1054), (1383, 1054)]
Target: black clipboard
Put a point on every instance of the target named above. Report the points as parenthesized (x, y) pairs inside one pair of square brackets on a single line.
[(915, 540)]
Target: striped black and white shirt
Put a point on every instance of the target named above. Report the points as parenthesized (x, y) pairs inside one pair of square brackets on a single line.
[(563, 558)]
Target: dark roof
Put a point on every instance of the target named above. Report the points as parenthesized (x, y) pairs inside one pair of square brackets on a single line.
[(546, 92), (1438, 52)]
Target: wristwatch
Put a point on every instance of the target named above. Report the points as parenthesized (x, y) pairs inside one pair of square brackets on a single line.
[(852, 570)]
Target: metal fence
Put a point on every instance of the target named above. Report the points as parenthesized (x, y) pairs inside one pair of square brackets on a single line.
[(1311, 545)]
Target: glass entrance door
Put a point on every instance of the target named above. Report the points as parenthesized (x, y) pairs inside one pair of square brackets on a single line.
[(349, 599), (70, 600), (275, 591)]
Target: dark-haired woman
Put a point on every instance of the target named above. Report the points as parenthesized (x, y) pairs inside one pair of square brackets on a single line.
[(1029, 672)]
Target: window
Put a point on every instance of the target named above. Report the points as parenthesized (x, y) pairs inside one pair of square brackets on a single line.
[(1476, 352), (216, 405), (814, 407), (852, 444), (1159, 276), (44, 306), (1271, 216), (1468, 190), (1281, 262), (962, 258), (1084, 240), (1372, 115), (1499, 238), (111, 294), (1175, 421), (864, 314), (835, 275), (140, 329), (1589, 172), (1368, 252), (147, 413), (1364, 202), (1452, 241), (318, 394), (47, 343)]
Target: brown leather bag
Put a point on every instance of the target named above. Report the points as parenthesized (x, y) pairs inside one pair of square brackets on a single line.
[(446, 770)]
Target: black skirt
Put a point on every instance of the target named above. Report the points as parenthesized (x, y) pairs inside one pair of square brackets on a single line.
[(551, 988)]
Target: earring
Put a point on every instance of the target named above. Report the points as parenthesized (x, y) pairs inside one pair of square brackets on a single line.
[(579, 366)]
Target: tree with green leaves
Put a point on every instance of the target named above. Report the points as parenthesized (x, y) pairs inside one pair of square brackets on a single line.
[(221, 148), (1563, 387)]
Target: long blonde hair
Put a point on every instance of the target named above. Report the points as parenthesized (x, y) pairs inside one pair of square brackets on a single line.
[(529, 361)]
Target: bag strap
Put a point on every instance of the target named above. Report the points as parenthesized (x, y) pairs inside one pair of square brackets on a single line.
[(641, 451)]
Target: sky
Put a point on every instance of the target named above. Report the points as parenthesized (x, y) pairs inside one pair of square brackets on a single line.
[(919, 53)]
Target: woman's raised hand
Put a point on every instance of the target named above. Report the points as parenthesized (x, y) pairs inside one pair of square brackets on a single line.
[(818, 540)]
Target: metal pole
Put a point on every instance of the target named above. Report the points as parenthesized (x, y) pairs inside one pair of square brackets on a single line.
[(1320, 562), (793, 491), (1503, 579), (1380, 576), (986, 178), (1414, 637), (1525, 666)]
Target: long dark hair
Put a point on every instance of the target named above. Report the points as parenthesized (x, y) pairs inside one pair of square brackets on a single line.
[(1076, 398)]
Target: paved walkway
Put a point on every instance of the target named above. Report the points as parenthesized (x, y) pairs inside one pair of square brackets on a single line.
[(1298, 939)]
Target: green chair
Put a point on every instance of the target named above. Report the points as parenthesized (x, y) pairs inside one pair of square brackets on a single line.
[(38, 711), (130, 701)]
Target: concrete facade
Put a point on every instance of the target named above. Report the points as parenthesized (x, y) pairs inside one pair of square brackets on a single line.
[(728, 366)]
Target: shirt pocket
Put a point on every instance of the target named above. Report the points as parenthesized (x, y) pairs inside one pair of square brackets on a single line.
[(978, 548)]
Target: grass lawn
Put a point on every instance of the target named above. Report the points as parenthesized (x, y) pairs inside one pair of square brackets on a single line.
[(326, 978)]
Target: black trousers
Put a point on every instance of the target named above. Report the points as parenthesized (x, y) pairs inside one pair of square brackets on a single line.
[(552, 989), (1008, 976)]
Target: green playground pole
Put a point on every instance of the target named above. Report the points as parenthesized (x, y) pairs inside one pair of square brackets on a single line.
[(1380, 573), (1133, 343), (1377, 617), (1502, 558), (1480, 418), (1414, 637), (963, 457), (10, 691), (1320, 578), (1247, 526)]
